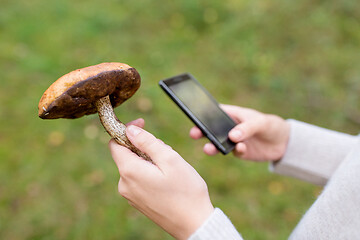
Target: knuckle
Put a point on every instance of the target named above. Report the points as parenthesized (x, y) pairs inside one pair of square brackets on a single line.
[(126, 171), (168, 147), (154, 143), (122, 189)]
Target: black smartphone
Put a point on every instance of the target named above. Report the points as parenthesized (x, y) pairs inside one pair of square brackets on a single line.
[(199, 105)]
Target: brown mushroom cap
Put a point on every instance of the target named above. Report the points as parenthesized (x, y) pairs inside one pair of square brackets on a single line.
[(74, 94)]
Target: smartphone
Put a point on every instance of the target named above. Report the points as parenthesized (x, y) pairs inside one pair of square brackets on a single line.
[(199, 105)]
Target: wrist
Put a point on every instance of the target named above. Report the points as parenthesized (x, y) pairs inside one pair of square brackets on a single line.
[(278, 131), (196, 221), (285, 138)]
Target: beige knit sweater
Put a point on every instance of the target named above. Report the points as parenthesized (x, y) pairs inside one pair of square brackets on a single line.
[(322, 157)]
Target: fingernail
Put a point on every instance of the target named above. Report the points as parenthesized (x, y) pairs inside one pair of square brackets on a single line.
[(133, 130), (207, 145), (236, 133)]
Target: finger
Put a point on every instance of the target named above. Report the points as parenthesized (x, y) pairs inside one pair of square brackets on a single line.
[(149, 144), (210, 149), (196, 133), (119, 153), (123, 189), (137, 122), (239, 150), (236, 134), (129, 164)]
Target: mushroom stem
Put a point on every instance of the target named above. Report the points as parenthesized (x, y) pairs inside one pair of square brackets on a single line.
[(114, 127)]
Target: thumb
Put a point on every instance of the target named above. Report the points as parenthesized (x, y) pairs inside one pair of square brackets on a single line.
[(148, 143), (243, 131)]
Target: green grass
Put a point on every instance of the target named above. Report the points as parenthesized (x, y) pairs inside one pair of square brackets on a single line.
[(297, 59)]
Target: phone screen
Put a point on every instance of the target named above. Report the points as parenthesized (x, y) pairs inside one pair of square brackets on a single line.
[(203, 107)]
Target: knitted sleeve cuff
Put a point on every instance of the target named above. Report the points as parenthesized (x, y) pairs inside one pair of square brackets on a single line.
[(217, 227), (313, 153)]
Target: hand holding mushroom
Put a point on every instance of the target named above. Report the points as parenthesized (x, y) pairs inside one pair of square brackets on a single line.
[(170, 192), (98, 88)]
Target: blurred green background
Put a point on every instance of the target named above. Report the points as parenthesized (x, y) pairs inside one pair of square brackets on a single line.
[(297, 59)]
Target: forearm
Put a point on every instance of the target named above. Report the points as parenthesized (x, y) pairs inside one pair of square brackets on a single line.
[(313, 153)]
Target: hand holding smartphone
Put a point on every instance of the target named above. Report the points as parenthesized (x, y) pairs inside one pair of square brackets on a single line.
[(199, 105)]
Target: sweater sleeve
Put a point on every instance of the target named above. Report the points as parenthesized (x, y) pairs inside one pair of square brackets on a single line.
[(313, 153), (336, 213), (216, 227)]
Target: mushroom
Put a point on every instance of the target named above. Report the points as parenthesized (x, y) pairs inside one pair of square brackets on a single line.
[(98, 88)]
